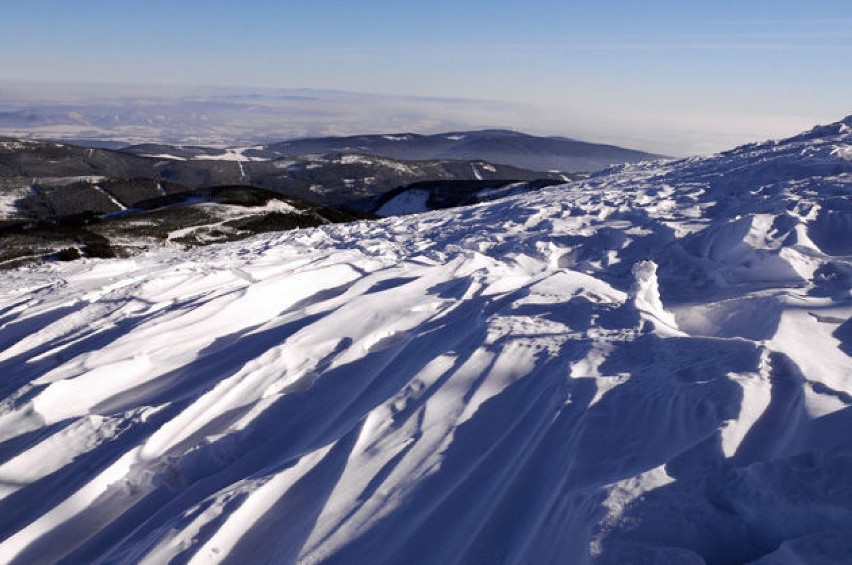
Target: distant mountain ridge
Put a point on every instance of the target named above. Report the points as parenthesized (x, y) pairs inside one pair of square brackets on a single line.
[(498, 146), (64, 201), (335, 179)]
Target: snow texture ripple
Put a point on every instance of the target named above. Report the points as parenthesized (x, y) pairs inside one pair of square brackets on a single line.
[(651, 365)]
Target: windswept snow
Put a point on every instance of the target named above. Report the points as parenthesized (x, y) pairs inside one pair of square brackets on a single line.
[(414, 201), (651, 365)]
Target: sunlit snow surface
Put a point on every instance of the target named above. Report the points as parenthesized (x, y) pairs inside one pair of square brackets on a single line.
[(652, 365)]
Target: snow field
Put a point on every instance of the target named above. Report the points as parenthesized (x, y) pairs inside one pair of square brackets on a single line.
[(649, 364)]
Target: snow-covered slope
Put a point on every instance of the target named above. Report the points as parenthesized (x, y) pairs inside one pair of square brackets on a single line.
[(652, 365), (493, 145)]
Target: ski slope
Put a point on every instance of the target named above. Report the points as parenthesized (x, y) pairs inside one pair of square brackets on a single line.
[(651, 365)]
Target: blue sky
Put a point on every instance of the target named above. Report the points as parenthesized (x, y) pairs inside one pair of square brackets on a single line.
[(624, 71)]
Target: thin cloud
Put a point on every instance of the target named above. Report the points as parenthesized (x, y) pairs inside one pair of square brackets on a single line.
[(824, 21), (784, 41), (712, 47)]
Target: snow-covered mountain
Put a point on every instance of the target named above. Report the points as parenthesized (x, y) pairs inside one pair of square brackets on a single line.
[(35, 175), (650, 366), (60, 200), (496, 146), (176, 217)]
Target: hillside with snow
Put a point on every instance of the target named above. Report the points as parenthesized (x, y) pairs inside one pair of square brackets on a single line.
[(494, 145), (651, 365)]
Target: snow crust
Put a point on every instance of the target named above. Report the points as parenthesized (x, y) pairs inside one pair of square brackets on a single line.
[(651, 365)]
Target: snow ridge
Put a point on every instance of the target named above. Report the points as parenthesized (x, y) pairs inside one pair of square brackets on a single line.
[(651, 364)]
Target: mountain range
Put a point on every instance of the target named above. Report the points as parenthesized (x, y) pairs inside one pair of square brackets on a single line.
[(503, 147), (63, 201)]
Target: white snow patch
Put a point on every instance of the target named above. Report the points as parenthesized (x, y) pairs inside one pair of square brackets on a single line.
[(111, 197), (231, 154), (8, 207), (17, 145), (352, 159), (412, 201), (355, 160), (164, 156), (843, 151)]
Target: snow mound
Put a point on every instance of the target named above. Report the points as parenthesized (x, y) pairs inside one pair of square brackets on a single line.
[(649, 365), (645, 293)]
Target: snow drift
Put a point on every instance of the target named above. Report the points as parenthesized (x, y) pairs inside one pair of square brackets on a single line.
[(651, 365)]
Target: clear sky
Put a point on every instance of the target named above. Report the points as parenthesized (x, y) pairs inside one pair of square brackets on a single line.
[(706, 72)]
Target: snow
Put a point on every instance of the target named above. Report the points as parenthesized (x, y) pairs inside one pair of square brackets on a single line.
[(652, 365), (165, 156), (508, 190), (8, 202), (225, 213), (412, 201), (844, 152), (357, 159), (231, 154), (479, 166), (112, 198), (90, 179), (17, 145), (645, 293)]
